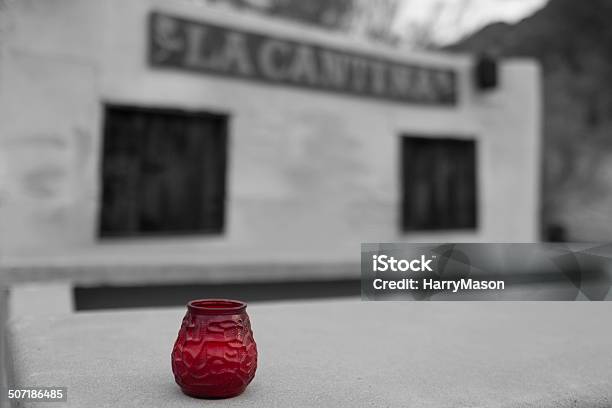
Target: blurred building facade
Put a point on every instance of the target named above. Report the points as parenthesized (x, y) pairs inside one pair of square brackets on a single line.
[(165, 126)]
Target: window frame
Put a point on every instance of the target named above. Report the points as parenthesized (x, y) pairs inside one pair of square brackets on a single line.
[(224, 117), (437, 137)]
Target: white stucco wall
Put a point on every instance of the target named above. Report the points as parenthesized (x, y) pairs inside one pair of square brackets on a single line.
[(310, 172)]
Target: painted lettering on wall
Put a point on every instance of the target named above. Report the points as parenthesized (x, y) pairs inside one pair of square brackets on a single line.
[(178, 43)]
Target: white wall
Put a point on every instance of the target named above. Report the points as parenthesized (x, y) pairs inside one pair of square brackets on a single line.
[(310, 173)]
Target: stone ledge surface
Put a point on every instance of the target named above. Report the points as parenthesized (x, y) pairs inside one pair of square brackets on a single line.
[(342, 354)]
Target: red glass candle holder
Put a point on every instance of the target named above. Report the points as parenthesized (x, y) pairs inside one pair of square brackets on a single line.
[(215, 355)]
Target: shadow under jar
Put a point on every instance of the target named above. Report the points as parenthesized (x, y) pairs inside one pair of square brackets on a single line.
[(215, 355)]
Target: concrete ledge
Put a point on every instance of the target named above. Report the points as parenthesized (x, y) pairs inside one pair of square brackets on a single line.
[(344, 354), (3, 353), (40, 299)]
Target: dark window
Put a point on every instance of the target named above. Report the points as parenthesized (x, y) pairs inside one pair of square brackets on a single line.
[(438, 184), (163, 172)]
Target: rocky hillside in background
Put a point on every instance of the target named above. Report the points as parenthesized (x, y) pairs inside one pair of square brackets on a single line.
[(572, 39)]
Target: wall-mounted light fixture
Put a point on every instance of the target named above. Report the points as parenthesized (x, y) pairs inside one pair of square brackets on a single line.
[(486, 72)]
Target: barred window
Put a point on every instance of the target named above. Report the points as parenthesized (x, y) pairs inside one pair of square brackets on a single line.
[(163, 172), (438, 184)]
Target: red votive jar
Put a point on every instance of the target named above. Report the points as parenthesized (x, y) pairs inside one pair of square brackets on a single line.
[(215, 355)]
